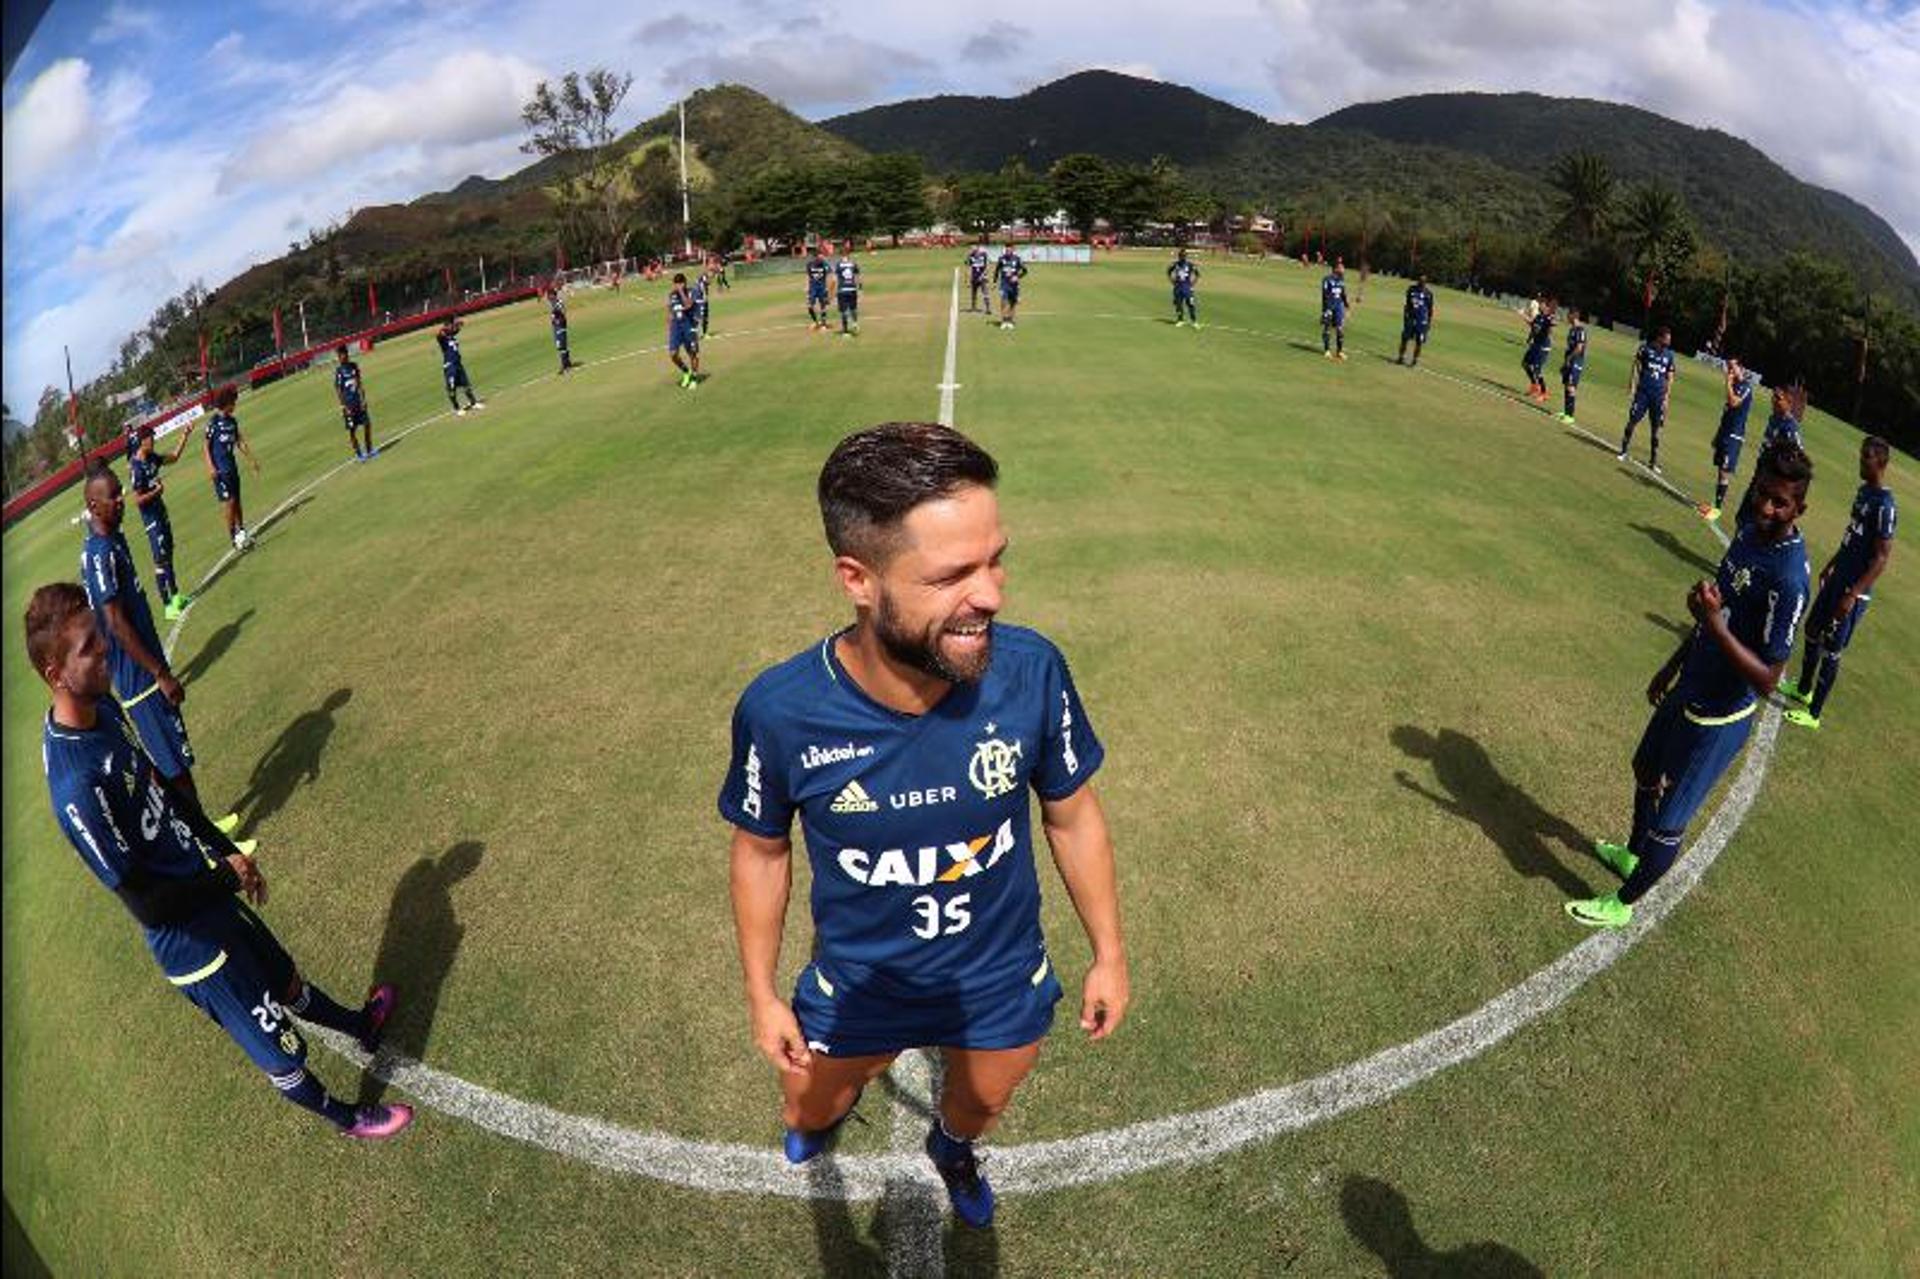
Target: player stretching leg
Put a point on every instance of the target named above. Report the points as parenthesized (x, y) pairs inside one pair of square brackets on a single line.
[(223, 437), (1572, 365), (1743, 633), (1539, 350), (1652, 387), (906, 744), (1729, 438), (1184, 275), (1415, 321), (354, 412), (1007, 271), (977, 299), (177, 874), (846, 274), (1846, 585), (683, 333), (143, 473), (454, 369), (1333, 312), (818, 269)]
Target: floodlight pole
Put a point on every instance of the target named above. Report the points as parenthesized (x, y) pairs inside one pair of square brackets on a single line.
[(686, 212), (483, 273), (305, 342)]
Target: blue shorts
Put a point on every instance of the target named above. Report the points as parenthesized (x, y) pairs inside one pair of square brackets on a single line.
[(353, 415), (1335, 316), (849, 301), (1823, 629), (244, 992), (1182, 293), (226, 485), (977, 280), (1652, 407), (456, 375), (560, 339), (1009, 292), (159, 533), (162, 731), (1411, 331), (816, 293), (1570, 374), (1690, 752), (1535, 361), (1726, 451), (843, 1022), (683, 337)]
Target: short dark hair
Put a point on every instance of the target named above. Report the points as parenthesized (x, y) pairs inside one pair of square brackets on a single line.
[(1785, 461), (1664, 331), (48, 613), (1876, 448), (679, 277), (226, 397), (341, 350), (875, 477), (97, 469)]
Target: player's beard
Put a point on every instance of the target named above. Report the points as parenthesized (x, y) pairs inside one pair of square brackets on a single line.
[(922, 651)]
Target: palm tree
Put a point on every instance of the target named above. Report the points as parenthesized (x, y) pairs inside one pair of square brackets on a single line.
[(1658, 232), (1585, 182)]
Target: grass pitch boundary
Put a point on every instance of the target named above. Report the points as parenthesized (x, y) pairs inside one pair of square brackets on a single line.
[(902, 1176)]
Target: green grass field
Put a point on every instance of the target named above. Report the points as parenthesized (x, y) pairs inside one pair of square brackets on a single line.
[(1366, 646)]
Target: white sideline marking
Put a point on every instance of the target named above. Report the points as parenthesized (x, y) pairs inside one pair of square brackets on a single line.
[(1174, 1140), (947, 385)]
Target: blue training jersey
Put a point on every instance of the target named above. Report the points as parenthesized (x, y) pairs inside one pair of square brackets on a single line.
[(1183, 274), (847, 272), (1576, 356), (917, 827), (1763, 589), (679, 310), (1656, 370), (106, 569), (143, 476), (122, 823), (700, 291), (223, 434), (1540, 332), (977, 262), (1871, 522), (1419, 303), (817, 272), (1009, 267), (1333, 293), (346, 383), (1733, 418), (1782, 429), (558, 314), (449, 347)]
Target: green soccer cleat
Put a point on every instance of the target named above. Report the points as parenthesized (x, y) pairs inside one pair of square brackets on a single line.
[(1566, 419), (171, 612), (1602, 912), (1791, 691), (1804, 718), (228, 824), (246, 847), (1617, 858)]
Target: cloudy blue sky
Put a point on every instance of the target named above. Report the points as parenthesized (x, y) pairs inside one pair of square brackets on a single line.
[(148, 144)]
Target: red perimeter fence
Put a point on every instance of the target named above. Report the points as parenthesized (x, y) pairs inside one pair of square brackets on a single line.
[(39, 494)]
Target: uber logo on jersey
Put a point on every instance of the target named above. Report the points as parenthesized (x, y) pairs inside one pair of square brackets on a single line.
[(924, 798)]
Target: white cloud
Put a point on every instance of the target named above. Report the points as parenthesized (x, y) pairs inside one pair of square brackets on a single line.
[(803, 73), (52, 120), (465, 98), (125, 22), (996, 42)]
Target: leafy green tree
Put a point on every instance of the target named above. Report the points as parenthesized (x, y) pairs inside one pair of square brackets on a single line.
[(1586, 186), (1657, 232), (982, 203), (573, 123), (1030, 194), (1084, 185)]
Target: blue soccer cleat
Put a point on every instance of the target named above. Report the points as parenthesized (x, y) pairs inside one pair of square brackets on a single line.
[(801, 1145), (968, 1191)]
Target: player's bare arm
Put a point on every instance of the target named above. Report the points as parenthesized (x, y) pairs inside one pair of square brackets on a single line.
[(1076, 829), (129, 639), (760, 880)]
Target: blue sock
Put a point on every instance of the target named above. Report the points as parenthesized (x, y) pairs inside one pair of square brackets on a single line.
[(316, 1006), (1657, 851), (163, 578), (1809, 669), (948, 1148), (303, 1090), (1829, 672), (1719, 495)]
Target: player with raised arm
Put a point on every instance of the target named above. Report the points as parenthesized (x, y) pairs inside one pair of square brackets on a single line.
[(1573, 364), (144, 461), (1846, 585), (1539, 350), (1416, 320), (1184, 275), (818, 271), (683, 333), (1008, 270), (977, 260), (1333, 312), (351, 391), (453, 368), (1652, 387), (906, 745), (223, 438), (557, 316), (1729, 436), (1705, 697), (846, 277), (177, 874)]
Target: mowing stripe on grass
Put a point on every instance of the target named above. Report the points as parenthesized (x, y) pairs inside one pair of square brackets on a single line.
[(947, 385), (1174, 1140)]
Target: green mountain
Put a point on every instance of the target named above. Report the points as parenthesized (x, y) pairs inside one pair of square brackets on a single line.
[(1743, 201)]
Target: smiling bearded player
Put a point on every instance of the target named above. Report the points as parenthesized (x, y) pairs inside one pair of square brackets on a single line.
[(906, 744)]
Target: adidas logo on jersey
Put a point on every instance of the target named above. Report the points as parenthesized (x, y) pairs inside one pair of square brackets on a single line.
[(853, 798)]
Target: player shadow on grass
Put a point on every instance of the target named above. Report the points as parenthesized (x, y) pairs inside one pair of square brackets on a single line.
[(213, 650), (291, 760), (1509, 816), (417, 951), (1666, 541), (1671, 627), (1379, 1219)]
